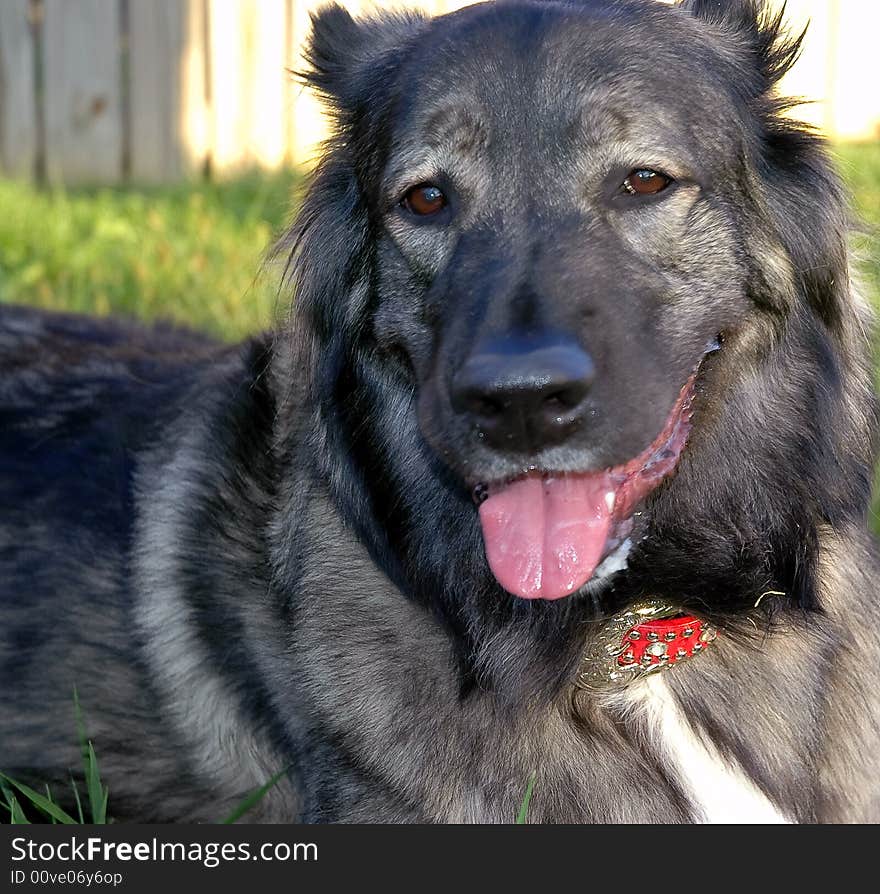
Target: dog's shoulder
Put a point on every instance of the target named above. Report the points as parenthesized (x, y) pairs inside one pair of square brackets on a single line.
[(62, 372), (81, 399)]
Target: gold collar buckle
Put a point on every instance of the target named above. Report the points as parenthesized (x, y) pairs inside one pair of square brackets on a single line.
[(650, 637)]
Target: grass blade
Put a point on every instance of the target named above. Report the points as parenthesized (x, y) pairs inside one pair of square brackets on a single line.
[(253, 799), (18, 818), (7, 796), (96, 792), (79, 807), (40, 802), (49, 799), (13, 808), (523, 814)]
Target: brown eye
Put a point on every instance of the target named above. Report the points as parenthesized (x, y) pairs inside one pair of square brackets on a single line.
[(645, 182), (424, 200)]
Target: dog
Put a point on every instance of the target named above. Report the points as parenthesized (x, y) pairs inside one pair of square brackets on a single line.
[(556, 476)]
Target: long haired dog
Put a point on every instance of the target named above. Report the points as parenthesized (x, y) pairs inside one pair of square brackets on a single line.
[(559, 469)]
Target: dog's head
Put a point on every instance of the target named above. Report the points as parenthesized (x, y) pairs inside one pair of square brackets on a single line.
[(567, 260)]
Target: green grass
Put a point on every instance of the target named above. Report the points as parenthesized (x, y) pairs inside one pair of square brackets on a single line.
[(523, 816), (860, 166), (47, 810), (44, 805), (191, 253)]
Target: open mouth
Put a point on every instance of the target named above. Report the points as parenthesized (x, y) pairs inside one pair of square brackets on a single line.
[(547, 532)]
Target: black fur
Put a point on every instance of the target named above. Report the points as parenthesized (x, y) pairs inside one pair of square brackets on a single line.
[(285, 529)]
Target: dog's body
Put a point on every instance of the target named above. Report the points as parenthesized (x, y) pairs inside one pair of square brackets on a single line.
[(267, 556)]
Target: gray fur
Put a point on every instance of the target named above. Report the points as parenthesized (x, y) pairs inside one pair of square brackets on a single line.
[(265, 557)]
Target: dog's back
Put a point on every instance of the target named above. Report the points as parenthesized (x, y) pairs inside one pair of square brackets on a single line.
[(81, 404)]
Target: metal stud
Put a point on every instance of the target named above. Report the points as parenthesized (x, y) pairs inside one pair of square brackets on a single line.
[(646, 658), (670, 636), (653, 637), (634, 634), (681, 654), (656, 649), (628, 658), (688, 631), (698, 647)]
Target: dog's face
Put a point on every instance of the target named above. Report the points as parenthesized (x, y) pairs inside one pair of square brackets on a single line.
[(555, 263), (556, 256), (566, 218)]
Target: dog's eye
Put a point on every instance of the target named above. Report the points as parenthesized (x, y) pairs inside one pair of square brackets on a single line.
[(424, 200), (645, 182)]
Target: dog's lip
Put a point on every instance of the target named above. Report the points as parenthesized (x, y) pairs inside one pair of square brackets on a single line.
[(546, 532), (658, 459), (681, 414), (546, 535)]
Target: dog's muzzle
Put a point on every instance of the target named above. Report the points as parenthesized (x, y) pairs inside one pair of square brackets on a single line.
[(648, 638)]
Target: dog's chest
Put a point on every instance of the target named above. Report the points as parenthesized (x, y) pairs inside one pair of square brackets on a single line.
[(719, 790)]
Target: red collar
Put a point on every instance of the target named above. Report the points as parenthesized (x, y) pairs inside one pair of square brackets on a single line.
[(648, 638)]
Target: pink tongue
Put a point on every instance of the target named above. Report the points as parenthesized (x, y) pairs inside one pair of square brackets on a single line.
[(544, 537)]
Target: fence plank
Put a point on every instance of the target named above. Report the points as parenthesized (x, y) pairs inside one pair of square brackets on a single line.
[(18, 110), (248, 84), (268, 87), (810, 80), (291, 66), (306, 122), (856, 100), (168, 109), (83, 86)]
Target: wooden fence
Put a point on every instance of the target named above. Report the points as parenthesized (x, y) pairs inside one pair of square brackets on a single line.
[(157, 90)]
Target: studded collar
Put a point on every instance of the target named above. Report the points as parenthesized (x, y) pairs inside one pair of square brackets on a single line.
[(648, 638)]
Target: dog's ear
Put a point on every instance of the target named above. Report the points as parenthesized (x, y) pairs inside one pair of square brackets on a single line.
[(754, 28), (343, 54)]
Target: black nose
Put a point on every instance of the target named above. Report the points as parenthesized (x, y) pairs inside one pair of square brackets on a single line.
[(524, 394)]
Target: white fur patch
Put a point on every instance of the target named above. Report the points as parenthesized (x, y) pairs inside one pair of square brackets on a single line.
[(610, 565), (719, 790)]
